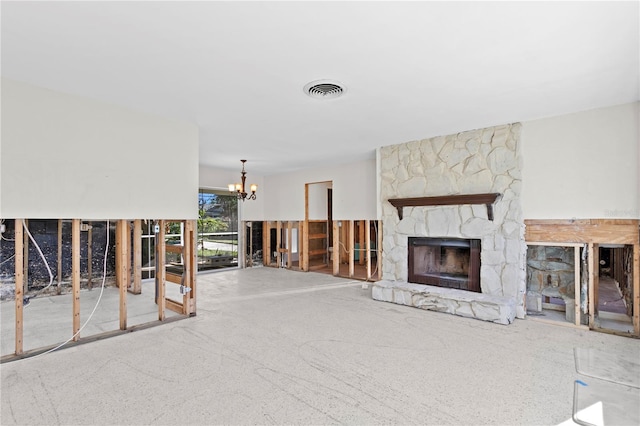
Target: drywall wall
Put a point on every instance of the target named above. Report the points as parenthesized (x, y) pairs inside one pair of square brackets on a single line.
[(281, 197), (354, 192), (65, 156), (319, 200), (582, 165)]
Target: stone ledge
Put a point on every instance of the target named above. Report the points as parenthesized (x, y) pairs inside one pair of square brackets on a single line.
[(498, 309)]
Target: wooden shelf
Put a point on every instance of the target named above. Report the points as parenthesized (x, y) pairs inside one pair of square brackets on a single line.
[(447, 200), (317, 239), (317, 236), (317, 251)]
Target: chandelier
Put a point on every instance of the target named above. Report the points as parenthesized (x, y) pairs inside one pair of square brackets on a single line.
[(239, 188)]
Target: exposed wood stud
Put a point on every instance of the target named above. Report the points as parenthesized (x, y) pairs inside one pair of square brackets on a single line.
[(193, 268), (19, 285), (379, 250), (592, 285), (119, 249), (336, 248), (75, 276), (278, 243), (25, 246), (596, 278), (59, 269), (636, 289), (344, 239), (137, 257), (351, 248), (361, 243), (89, 257), (367, 227), (289, 244), (127, 234), (305, 232), (300, 242), (577, 287), (249, 262), (161, 256), (266, 243), (122, 267)]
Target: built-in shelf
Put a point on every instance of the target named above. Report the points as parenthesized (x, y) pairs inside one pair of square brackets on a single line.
[(447, 200)]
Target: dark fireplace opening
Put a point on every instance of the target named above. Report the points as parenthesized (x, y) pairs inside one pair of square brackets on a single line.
[(445, 262)]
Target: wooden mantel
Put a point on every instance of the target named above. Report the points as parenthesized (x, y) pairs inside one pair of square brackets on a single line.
[(447, 200)]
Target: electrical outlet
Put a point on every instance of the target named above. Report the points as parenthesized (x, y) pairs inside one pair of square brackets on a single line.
[(3, 228)]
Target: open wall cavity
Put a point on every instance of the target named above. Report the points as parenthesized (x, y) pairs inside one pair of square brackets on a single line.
[(586, 269), (102, 293)]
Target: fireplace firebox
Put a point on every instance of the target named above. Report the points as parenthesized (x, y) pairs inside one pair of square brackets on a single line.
[(445, 262)]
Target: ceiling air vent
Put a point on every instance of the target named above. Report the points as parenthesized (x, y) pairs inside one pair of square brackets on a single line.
[(324, 89)]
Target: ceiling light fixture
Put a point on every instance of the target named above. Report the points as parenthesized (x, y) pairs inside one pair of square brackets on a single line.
[(239, 188), (324, 89)]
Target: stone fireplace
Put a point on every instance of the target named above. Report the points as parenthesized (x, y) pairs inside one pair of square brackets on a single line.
[(484, 161), (445, 262)]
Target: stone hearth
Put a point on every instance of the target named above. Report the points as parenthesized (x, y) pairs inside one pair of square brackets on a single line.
[(498, 309), (474, 162)]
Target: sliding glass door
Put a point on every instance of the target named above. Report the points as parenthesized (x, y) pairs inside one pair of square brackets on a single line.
[(217, 229)]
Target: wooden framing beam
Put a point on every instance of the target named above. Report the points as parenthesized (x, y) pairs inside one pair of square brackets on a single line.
[(25, 245), (289, 244), (304, 262), (89, 257), (174, 306), (266, 243), (59, 269), (596, 277), (249, 230), (636, 289), (75, 276), (344, 239), (379, 249), (603, 231), (128, 230), (577, 284), (351, 248), (122, 267), (278, 243), (361, 243), (192, 271), (336, 248), (161, 256), (19, 286), (136, 288), (592, 285), (367, 235)]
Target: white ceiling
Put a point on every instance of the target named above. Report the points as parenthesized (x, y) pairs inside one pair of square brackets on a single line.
[(412, 70)]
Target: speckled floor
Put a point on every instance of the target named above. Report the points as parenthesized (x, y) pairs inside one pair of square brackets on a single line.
[(272, 346)]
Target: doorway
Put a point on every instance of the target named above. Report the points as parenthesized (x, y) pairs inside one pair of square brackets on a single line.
[(614, 292), (316, 241)]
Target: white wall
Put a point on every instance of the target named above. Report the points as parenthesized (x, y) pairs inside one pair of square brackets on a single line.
[(69, 157), (582, 165), (354, 192), (319, 201)]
